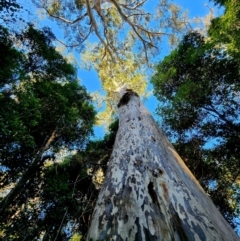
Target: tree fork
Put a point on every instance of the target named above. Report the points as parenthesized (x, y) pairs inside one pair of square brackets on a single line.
[(148, 192)]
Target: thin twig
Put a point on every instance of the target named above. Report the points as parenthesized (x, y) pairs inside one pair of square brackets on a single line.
[(64, 19), (60, 227), (133, 8)]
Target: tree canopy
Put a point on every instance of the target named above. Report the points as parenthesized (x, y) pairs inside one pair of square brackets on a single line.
[(198, 89), (110, 19), (127, 70), (43, 109), (225, 28)]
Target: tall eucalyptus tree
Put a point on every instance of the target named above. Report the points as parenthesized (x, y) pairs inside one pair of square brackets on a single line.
[(148, 192)]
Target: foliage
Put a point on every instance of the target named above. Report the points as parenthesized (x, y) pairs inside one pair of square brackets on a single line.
[(225, 29), (220, 2), (43, 109), (127, 68), (62, 206), (127, 34), (9, 7), (198, 88), (60, 200), (99, 151), (76, 237), (110, 19), (31, 91)]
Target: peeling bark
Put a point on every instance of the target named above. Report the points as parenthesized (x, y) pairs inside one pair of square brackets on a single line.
[(148, 192)]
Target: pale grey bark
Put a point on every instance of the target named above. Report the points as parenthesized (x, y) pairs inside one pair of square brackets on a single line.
[(148, 192)]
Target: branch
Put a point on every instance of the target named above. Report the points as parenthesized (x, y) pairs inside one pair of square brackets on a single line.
[(28, 174), (133, 8), (94, 24), (135, 27), (68, 46), (66, 20), (60, 227), (75, 45), (85, 37), (137, 14), (145, 36), (221, 116)]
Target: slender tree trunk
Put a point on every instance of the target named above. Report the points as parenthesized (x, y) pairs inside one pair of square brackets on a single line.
[(27, 176), (148, 192)]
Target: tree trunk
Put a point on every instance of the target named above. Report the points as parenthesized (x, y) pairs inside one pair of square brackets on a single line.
[(148, 192), (27, 175)]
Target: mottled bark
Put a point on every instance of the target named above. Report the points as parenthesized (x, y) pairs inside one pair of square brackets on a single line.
[(148, 192)]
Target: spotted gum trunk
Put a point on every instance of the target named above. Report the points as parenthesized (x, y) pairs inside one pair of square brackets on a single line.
[(148, 192)]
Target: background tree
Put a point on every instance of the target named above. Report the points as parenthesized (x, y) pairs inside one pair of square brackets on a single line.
[(65, 195), (225, 28), (198, 89), (43, 109), (8, 9)]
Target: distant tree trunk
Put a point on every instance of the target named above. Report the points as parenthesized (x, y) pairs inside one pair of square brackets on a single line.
[(148, 192), (27, 175)]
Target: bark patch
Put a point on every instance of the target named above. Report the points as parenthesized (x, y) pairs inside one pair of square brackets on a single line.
[(165, 191), (153, 139), (179, 226), (133, 180), (157, 172), (149, 236), (126, 97), (138, 235), (153, 194)]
